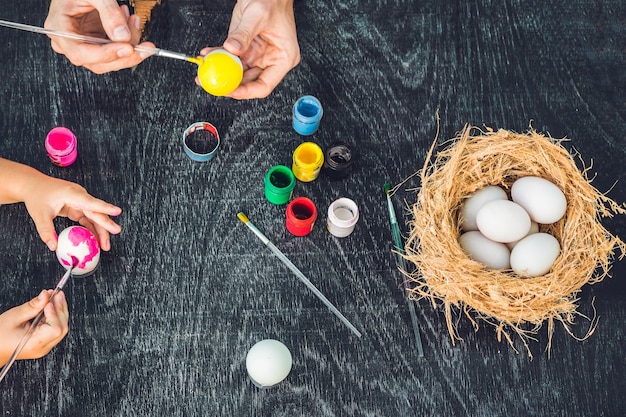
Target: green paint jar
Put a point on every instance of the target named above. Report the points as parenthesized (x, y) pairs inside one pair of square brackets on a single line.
[(279, 184)]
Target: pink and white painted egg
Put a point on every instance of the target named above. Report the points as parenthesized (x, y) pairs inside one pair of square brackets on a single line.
[(78, 246)]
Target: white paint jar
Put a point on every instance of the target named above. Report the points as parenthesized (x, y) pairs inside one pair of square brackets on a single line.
[(343, 214)]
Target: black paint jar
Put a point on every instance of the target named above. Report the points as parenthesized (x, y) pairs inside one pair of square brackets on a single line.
[(338, 160)]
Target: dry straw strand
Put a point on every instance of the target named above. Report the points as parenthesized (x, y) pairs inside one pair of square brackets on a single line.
[(445, 275)]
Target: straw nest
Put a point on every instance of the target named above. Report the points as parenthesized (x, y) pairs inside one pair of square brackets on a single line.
[(514, 305)]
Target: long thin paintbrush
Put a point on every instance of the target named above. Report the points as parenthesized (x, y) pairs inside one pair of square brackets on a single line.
[(297, 272), (34, 324), (99, 41), (397, 241)]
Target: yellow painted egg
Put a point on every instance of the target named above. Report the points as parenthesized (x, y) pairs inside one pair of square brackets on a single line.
[(220, 72)]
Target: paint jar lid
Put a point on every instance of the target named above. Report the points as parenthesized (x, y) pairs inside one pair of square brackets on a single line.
[(201, 141)]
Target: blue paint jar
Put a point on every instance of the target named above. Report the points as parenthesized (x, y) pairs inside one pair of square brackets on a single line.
[(307, 113)]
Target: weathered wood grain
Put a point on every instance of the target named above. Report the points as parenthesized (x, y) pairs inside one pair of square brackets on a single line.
[(163, 328)]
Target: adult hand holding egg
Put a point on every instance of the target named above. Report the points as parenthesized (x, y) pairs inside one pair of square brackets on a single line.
[(263, 35)]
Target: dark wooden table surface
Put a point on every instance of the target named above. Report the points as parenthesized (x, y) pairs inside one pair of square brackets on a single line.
[(163, 327)]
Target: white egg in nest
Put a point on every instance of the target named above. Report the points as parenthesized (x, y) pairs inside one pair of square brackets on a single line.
[(542, 199), (494, 255), (535, 254), (474, 202), (268, 362), (79, 247), (503, 221)]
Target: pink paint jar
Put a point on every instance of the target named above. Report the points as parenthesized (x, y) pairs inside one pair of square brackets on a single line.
[(61, 146), (301, 215)]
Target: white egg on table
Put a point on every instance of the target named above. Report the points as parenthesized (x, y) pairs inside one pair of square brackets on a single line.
[(503, 221), (494, 255), (474, 202), (268, 362), (79, 247), (542, 199), (534, 228), (535, 254)]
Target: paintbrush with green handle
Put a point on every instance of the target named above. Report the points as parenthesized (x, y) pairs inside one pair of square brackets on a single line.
[(399, 249)]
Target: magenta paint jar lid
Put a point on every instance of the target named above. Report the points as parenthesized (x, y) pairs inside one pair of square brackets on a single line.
[(61, 146)]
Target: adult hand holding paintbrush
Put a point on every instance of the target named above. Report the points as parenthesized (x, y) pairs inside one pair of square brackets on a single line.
[(101, 19), (262, 34)]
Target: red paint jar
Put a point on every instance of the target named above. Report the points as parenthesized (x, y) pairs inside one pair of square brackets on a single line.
[(301, 215)]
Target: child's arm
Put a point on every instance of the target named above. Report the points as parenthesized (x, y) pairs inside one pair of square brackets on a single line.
[(47, 197), (15, 322)]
